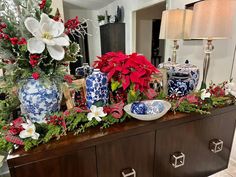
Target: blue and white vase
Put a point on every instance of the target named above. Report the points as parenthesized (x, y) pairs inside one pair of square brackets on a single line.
[(83, 71), (38, 101), (97, 88)]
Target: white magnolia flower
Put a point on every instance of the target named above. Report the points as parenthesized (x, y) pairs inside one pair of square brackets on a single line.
[(205, 94), (29, 131), (96, 112), (230, 88), (47, 32)]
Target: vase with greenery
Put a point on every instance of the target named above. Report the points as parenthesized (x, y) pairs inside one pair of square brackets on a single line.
[(35, 51)]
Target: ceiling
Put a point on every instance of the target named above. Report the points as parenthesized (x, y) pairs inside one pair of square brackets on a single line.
[(88, 4)]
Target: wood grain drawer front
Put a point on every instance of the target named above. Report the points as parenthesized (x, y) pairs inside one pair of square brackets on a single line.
[(217, 128), (193, 140), (133, 155), (78, 164)]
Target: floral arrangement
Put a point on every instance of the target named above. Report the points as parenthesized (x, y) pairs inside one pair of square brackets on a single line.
[(34, 43), (205, 100), (129, 75)]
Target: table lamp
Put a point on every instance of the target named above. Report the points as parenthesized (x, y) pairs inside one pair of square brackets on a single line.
[(212, 19), (175, 25)]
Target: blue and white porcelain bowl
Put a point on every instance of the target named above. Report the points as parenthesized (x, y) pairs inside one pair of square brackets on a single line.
[(155, 109), (38, 101)]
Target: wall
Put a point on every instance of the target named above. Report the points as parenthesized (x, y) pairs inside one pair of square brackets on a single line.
[(93, 27), (144, 20), (58, 4)]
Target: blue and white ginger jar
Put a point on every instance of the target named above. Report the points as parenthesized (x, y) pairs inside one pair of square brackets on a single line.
[(183, 79), (38, 101), (97, 88)]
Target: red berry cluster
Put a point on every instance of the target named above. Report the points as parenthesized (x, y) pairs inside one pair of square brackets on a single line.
[(42, 4), (35, 75), (118, 96), (56, 120), (68, 78), (34, 60), (80, 100), (217, 90), (71, 25), (2, 34)]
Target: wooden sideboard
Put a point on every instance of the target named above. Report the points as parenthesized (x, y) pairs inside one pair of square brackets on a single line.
[(181, 145)]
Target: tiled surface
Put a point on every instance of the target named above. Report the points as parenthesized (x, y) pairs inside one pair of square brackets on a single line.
[(230, 172)]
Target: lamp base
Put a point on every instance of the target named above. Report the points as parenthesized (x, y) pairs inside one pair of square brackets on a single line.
[(203, 85), (208, 50)]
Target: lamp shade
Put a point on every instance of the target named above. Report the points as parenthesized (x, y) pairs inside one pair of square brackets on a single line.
[(176, 24), (212, 19)]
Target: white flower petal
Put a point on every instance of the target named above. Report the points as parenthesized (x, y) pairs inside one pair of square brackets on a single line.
[(45, 19), (48, 42), (90, 116), (35, 46), (61, 41), (25, 126), (93, 108), (32, 25), (35, 136), (98, 119), (24, 134), (102, 114), (56, 52), (58, 29), (46, 28)]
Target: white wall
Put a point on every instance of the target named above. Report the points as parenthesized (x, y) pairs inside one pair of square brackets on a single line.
[(93, 27), (144, 20), (58, 4), (144, 38)]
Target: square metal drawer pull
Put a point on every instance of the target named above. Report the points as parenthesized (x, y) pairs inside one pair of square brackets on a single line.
[(216, 145), (132, 173), (177, 159)]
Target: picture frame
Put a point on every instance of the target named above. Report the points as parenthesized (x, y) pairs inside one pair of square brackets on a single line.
[(79, 85)]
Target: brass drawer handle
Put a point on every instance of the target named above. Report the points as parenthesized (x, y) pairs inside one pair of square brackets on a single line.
[(132, 173), (177, 159), (216, 145)]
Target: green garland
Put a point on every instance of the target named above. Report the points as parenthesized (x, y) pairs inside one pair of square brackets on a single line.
[(76, 121)]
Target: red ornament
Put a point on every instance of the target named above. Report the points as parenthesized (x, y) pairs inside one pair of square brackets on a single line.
[(14, 40), (35, 75)]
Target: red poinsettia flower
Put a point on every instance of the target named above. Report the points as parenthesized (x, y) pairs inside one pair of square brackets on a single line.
[(129, 70), (36, 75)]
